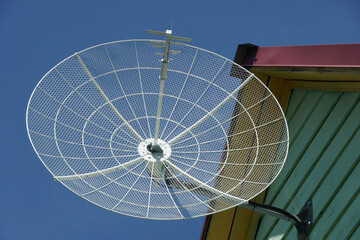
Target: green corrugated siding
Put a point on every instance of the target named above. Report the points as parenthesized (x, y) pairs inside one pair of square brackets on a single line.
[(323, 164)]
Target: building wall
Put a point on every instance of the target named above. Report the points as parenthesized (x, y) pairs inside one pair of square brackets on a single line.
[(323, 164), (320, 93)]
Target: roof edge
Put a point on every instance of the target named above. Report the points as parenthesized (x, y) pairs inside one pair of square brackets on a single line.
[(331, 55)]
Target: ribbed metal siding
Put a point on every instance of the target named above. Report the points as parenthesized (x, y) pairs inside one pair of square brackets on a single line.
[(323, 164)]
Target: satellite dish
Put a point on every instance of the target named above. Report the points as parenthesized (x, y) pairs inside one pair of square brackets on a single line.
[(157, 129)]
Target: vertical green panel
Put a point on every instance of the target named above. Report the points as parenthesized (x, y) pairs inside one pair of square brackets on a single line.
[(342, 215), (309, 105), (334, 179), (297, 97), (316, 140), (322, 104), (304, 111), (312, 158), (291, 234), (322, 154), (355, 235), (332, 185)]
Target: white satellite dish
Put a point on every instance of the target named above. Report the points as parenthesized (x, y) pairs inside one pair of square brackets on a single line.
[(157, 129)]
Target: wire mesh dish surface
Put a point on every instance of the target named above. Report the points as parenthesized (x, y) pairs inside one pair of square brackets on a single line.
[(222, 134)]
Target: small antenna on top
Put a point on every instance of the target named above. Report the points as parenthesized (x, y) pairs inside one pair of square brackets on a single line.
[(164, 65)]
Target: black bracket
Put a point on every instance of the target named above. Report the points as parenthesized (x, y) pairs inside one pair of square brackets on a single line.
[(303, 221)]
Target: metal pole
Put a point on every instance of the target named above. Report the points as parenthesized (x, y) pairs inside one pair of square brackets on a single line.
[(302, 221)]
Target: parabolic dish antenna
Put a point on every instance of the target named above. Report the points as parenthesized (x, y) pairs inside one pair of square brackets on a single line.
[(157, 129)]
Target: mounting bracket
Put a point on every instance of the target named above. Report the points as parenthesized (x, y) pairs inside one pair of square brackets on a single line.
[(303, 221)]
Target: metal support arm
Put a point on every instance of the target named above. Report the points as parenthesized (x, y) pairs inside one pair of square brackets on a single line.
[(302, 221)]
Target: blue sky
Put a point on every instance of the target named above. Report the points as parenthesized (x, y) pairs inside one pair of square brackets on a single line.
[(36, 35)]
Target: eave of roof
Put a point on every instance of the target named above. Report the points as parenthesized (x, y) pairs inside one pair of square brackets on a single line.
[(332, 55)]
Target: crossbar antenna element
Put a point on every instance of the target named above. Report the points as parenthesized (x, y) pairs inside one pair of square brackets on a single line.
[(163, 71)]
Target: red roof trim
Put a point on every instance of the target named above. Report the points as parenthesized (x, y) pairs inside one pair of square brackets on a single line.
[(334, 55)]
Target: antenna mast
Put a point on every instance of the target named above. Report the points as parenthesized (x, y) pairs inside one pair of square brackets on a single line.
[(164, 64)]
